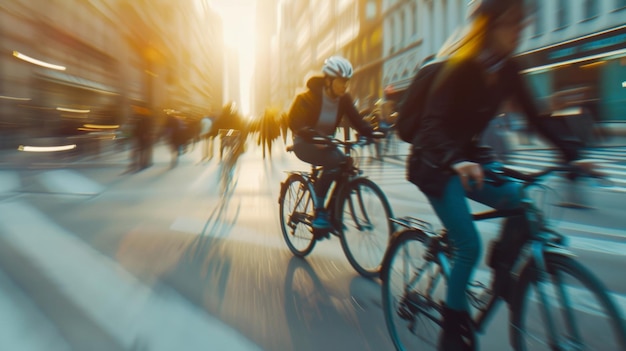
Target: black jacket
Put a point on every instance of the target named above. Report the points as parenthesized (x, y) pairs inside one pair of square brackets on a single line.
[(307, 106), (457, 113)]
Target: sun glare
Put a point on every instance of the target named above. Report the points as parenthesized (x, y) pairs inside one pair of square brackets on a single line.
[(239, 19)]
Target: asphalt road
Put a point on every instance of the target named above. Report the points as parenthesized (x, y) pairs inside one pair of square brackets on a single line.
[(168, 258)]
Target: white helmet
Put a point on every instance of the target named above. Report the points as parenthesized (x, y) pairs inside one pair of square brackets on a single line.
[(338, 67)]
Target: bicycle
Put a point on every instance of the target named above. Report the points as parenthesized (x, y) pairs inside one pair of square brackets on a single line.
[(358, 209), (539, 285)]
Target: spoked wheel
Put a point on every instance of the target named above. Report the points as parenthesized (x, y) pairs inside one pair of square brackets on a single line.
[(581, 315), (365, 226), (412, 288), (296, 214)]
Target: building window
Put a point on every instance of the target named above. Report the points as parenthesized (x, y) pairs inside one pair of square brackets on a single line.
[(591, 8), (370, 10), (413, 19), (562, 14), (536, 17), (402, 29)]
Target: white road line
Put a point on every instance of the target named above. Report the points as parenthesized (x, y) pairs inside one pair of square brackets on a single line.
[(69, 182), (119, 303), (9, 181), (21, 320)]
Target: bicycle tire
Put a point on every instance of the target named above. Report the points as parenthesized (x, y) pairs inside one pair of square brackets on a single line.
[(591, 301), (365, 224), (296, 213), (412, 309)]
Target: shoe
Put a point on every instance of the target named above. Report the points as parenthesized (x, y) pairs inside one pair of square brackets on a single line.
[(458, 332), (321, 221)]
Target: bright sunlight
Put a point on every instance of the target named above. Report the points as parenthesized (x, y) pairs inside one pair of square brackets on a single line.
[(239, 33)]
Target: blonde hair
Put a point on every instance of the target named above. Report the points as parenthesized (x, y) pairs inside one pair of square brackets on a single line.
[(464, 45)]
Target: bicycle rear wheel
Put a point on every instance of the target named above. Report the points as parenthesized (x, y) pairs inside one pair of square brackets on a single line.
[(581, 312), (296, 213), (366, 226), (412, 288)]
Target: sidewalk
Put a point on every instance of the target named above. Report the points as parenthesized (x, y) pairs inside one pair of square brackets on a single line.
[(111, 153)]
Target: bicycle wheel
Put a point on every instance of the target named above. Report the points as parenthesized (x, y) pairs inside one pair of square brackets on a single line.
[(412, 288), (366, 226), (296, 214), (581, 311)]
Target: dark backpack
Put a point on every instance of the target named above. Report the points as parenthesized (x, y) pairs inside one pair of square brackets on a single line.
[(412, 104)]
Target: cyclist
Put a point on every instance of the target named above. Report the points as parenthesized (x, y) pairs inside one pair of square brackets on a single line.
[(447, 163), (318, 112)]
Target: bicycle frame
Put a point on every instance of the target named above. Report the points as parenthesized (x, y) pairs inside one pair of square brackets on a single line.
[(348, 173), (519, 274), (545, 240)]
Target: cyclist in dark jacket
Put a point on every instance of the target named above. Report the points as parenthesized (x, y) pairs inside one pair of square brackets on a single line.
[(448, 164), (318, 112)]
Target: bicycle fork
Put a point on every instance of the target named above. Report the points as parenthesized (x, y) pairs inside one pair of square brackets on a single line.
[(361, 224)]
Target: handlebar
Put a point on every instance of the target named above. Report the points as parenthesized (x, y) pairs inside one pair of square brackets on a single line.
[(325, 140), (500, 175)]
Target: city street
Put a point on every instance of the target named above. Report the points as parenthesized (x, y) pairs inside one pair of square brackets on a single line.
[(94, 258)]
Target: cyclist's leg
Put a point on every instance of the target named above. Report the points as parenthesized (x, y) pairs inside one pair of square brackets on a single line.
[(515, 230), (329, 157), (502, 196), (454, 212)]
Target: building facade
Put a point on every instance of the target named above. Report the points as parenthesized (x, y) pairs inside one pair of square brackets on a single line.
[(103, 56), (570, 45), (578, 47)]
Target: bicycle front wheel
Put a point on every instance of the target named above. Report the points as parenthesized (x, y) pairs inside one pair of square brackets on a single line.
[(569, 309), (366, 226), (412, 286), (296, 213)]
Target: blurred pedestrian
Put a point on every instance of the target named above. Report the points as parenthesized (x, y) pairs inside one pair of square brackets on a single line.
[(175, 135), (142, 134), (206, 136)]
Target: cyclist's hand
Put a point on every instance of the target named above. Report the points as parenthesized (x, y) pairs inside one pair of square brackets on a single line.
[(470, 171)]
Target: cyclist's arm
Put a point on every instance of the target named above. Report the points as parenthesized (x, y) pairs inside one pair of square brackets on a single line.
[(568, 144), (349, 110), (297, 119)]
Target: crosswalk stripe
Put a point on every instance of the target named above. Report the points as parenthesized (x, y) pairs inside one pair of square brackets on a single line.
[(9, 181), (123, 306), (70, 182)]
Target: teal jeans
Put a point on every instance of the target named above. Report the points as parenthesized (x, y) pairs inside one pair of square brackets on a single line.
[(453, 210)]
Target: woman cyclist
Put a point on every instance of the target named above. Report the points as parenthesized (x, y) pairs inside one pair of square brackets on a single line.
[(448, 164), (318, 112)]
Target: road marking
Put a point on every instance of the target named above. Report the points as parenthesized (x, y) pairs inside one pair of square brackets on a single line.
[(21, 317), (69, 182), (126, 309), (9, 181)]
